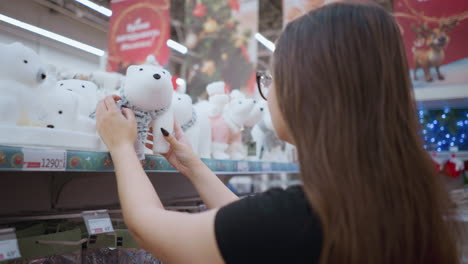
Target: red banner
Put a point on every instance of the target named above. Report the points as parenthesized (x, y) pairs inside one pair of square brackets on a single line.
[(138, 28)]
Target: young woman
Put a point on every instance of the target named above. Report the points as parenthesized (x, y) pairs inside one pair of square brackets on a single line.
[(341, 93)]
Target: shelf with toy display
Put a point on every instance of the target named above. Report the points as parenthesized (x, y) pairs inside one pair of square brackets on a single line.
[(47, 159)]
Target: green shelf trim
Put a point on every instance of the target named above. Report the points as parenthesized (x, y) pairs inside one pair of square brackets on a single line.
[(11, 159)]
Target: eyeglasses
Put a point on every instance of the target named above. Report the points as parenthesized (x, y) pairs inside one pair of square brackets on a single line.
[(264, 81)]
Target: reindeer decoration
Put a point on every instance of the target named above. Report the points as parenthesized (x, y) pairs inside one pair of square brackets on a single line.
[(436, 40), (430, 43)]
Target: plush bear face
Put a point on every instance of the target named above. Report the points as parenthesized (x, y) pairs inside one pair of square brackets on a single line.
[(21, 64), (148, 87), (83, 88), (239, 109), (59, 110), (256, 114), (183, 108)]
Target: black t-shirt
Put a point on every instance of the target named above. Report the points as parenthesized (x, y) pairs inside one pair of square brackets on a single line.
[(277, 226)]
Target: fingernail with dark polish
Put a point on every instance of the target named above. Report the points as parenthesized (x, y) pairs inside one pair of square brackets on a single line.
[(164, 131)]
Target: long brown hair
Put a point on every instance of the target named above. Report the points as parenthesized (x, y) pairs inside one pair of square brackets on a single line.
[(343, 87)]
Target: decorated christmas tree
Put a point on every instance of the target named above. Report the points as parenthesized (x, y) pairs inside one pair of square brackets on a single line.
[(218, 46)]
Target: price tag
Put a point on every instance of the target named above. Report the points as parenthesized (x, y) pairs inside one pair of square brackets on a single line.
[(98, 222), (44, 159), (242, 166), (8, 245), (98, 226)]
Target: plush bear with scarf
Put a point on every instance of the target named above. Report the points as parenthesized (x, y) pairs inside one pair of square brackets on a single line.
[(147, 91)]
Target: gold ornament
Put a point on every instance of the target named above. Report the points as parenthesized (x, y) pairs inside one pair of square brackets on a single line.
[(210, 25), (224, 56), (208, 67), (239, 42)]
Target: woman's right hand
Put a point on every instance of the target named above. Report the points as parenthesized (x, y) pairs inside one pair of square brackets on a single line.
[(181, 155)]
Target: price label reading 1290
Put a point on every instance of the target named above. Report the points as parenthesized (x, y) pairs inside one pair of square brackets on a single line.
[(44, 159)]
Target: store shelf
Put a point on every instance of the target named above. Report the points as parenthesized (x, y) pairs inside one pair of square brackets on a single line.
[(12, 159), (442, 96), (443, 92)]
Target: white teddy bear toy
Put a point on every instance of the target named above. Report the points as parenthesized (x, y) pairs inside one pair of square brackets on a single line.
[(194, 122), (217, 98), (86, 92), (227, 128), (147, 91), (21, 74), (254, 117), (59, 109), (186, 116), (267, 143)]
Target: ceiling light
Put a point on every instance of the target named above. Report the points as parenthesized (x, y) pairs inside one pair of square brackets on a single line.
[(52, 35), (177, 46), (267, 43), (96, 7)]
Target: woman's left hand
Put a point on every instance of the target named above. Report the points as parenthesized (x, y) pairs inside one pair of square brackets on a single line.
[(116, 129)]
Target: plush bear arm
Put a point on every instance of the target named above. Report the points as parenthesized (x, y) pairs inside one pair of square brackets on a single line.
[(166, 121)]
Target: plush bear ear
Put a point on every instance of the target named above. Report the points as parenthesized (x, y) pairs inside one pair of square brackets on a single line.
[(16, 44), (132, 69)]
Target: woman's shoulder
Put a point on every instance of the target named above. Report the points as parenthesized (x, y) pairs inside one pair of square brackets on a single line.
[(277, 220)]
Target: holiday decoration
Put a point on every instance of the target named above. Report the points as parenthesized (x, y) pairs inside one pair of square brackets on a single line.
[(208, 67), (199, 10), (442, 129), (147, 91), (434, 34), (454, 166), (191, 40), (221, 33), (234, 4), (439, 162), (210, 26)]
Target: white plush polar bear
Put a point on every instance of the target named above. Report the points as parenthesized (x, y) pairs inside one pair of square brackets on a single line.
[(254, 117), (217, 98), (21, 74), (269, 147), (226, 129), (147, 90), (187, 118), (86, 92), (195, 124), (59, 109)]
